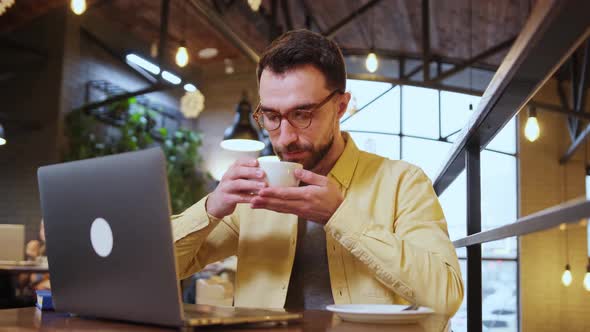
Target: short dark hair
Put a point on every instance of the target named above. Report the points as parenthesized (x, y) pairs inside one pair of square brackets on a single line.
[(297, 48)]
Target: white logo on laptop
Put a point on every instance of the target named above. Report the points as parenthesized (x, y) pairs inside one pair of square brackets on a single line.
[(101, 237)]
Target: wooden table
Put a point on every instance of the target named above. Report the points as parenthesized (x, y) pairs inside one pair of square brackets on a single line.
[(12, 269), (29, 319)]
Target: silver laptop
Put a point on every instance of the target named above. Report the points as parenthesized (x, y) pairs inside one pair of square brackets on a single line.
[(110, 247), (12, 243)]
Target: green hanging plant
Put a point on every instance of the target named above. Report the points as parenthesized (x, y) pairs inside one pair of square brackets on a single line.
[(130, 127)]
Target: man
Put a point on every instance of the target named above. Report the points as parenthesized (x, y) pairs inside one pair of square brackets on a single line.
[(370, 230)]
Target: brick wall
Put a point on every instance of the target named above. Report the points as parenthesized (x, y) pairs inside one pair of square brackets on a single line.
[(546, 304)]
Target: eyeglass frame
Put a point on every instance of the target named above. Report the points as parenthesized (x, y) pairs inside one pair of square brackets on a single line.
[(257, 113)]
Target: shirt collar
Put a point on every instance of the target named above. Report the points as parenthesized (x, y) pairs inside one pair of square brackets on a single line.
[(346, 164)]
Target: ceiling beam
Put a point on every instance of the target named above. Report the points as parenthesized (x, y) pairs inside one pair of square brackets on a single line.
[(332, 31), (559, 109), (153, 88), (164, 11), (310, 19), (565, 103), (213, 18), (551, 34), (393, 54), (579, 97), (430, 85), (103, 45), (7, 43), (581, 94), (411, 73), (467, 63), (287, 15), (426, 39), (572, 122), (575, 145)]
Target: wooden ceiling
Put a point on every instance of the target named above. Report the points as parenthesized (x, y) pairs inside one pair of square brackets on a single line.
[(459, 29)]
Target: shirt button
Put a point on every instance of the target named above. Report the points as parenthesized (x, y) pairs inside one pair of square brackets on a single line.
[(284, 287)]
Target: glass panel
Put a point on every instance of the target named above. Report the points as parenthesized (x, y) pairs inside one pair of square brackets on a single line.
[(384, 145), (477, 80), (499, 294), (381, 116), (420, 111), (455, 111), (454, 203), (364, 91), (505, 140), (426, 154), (498, 199)]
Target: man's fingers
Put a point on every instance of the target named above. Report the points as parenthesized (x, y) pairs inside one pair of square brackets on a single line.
[(239, 198), (311, 177), (242, 172), (292, 193), (248, 162), (242, 185), (275, 204)]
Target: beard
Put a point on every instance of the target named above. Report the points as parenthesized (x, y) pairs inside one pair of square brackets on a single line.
[(317, 153)]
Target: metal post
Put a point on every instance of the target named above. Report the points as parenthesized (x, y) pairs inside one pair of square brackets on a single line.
[(474, 286), (164, 10)]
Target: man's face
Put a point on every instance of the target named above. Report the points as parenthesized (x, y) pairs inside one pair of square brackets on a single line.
[(298, 89)]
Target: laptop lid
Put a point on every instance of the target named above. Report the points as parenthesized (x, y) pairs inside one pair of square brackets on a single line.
[(109, 240)]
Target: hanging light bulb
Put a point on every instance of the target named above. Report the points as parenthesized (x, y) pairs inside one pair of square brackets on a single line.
[(372, 63), (78, 6), (229, 66), (531, 129), (154, 49), (254, 4), (182, 55), (566, 277)]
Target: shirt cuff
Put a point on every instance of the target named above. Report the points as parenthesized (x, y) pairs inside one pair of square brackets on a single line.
[(346, 224), (192, 220)]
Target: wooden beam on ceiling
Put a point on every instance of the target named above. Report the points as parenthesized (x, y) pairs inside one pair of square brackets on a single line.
[(332, 31), (426, 39), (470, 62), (211, 16)]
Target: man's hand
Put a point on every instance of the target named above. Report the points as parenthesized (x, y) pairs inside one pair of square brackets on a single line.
[(315, 202), (239, 184)]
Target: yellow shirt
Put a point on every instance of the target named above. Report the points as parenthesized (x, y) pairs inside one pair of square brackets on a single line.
[(387, 242)]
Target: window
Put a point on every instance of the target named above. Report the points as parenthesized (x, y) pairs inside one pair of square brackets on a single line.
[(419, 125)]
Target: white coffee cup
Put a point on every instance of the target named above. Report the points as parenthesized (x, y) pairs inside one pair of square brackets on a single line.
[(279, 173)]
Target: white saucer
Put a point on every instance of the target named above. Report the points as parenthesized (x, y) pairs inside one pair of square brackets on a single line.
[(379, 313)]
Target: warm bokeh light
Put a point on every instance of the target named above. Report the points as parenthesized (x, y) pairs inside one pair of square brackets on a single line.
[(372, 63), (566, 277), (181, 56), (78, 6), (531, 129)]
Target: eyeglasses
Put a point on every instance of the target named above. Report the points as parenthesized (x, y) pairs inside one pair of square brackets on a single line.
[(298, 118)]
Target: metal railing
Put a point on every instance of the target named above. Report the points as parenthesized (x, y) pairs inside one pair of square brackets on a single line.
[(553, 31)]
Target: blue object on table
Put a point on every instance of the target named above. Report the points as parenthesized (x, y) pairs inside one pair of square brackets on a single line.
[(44, 301)]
